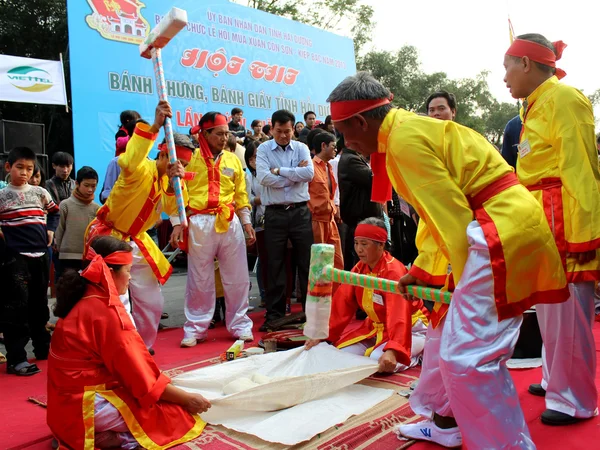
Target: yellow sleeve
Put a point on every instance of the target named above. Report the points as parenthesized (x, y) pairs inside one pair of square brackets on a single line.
[(575, 141), (240, 197), (431, 266), (138, 148), (437, 198), (169, 201)]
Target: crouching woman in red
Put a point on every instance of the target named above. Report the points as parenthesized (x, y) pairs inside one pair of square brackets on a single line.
[(394, 331), (104, 388)]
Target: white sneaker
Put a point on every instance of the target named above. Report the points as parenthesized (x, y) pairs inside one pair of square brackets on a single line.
[(429, 431), (188, 342), (246, 337)]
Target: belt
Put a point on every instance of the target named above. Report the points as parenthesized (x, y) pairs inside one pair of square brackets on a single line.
[(476, 201), (545, 184), (286, 207)]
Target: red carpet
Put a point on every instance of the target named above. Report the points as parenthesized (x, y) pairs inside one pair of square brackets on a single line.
[(23, 424)]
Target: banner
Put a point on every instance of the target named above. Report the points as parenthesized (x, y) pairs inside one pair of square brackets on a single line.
[(28, 80), (228, 56)]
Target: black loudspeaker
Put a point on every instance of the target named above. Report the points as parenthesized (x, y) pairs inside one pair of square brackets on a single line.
[(42, 160), (22, 134)]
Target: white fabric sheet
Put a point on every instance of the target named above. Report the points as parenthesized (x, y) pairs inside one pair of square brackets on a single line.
[(317, 393)]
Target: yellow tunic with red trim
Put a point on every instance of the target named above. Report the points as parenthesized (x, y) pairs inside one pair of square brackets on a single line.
[(440, 167), (430, 266), (388, 315), (218, 188), (135, 202), (96, 350), (561, 170)]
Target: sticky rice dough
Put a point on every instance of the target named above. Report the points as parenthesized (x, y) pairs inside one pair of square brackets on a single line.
[(239, 385), (244, 383)]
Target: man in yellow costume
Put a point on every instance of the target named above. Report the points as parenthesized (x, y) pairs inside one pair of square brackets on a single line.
[(498, 242), (558, 163), (132, 208), (216, 194)]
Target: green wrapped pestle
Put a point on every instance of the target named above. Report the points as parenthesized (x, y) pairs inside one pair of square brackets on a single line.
[(381, 284)]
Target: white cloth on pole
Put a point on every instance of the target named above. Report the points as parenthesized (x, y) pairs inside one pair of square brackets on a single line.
[(315, 388), (29, 80), (229, 248), (569, 353), (464, 371)]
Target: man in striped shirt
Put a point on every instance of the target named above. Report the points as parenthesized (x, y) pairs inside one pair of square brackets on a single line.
[(28, 219)]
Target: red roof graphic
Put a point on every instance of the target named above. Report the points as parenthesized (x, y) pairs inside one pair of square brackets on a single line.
[(113, 10)]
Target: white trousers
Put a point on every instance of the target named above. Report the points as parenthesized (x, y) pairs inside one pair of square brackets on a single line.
[(464, 372), (146, 297), (419, 331), (569, 353), (108, 418), (229, 248)]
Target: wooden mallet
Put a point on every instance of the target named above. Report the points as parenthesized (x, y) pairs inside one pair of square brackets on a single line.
[(158, 38)]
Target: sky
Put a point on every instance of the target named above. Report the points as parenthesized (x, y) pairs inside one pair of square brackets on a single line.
[(464, 37)]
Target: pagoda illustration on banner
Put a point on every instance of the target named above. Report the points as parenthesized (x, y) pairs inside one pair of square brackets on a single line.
[(118, 20)]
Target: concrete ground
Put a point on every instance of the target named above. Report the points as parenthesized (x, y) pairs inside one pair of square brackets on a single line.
[(173, 292)]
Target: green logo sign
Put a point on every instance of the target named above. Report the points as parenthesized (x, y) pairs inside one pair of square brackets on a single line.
[(30, 79)]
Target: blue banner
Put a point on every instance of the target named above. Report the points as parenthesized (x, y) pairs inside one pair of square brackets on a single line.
[(229, 55)]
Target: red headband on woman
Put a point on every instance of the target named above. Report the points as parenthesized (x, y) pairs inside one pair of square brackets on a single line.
[(182, 152), (373, 232), (345, 109), (538, 53)]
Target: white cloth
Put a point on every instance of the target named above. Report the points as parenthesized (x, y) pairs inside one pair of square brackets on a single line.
[(108, 418), (419, 330), (315, 389), (464, 371), (229, 248), (334, 165), (146, 297), (569, 353)]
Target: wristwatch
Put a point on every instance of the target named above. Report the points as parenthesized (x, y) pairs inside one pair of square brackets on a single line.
[(277, 171)]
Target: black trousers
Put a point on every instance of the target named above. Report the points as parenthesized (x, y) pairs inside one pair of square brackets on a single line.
[(294, 224), (24, 306), (350, 258)]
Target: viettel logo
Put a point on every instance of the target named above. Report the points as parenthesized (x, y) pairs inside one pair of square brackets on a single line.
[(30, 79)]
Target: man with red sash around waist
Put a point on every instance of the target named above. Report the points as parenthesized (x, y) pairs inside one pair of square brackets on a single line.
[(498, 242), (216, 193), (558, 163), (393, 334), (132, 208)]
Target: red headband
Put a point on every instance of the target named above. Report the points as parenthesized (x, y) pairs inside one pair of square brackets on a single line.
[(345, 109), (372, 232), (219, 121), (538, 53), (181, 152)]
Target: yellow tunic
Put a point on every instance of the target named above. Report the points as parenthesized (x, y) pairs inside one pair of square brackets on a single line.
[(135, 202), (441, 168), (561, 170), (218, 188)]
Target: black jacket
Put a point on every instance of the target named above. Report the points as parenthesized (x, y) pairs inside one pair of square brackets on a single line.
[(355, 178)]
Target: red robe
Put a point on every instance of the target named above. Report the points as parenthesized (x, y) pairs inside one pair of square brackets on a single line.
[(389, 320), (96, 350)]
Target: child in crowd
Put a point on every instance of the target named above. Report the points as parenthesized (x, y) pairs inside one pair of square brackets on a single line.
[(61, 185), (39, 177), (80, 209), (28, 219)]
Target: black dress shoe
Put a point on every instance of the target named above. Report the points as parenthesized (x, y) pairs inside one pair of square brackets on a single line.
[(537, 389), (551, 417), (265, 327)]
